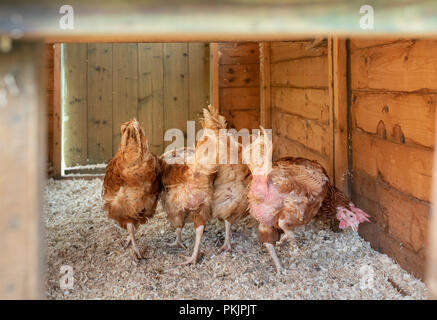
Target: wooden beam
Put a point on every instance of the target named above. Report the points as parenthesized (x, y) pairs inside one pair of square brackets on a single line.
[(337, 64), (23, 143), (57, 113), (226, 20), (215, 74), (431, 270), (265, 93)]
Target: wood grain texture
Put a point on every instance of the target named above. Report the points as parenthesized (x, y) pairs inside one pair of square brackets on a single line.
[(337, 58), (239, 75), (407, 118), (125, 84), (239, 53), (403, 66), (23, 132), (240, 98), (198, 70), (308, 103), (57, 113), (289, 50), (302, 73), (75, 104), (100, 78), (406, 168), (151, 93), (176, 86), (265, 89)]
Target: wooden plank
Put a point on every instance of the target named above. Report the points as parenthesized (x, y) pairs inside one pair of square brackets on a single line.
[(198, 63), (49, 68), (283, 147), (150, 93), (404, 66), (407, 118), (125, 84), (57, 113), (75, 104), (175, 87), (309, 133), (408, 169), (99, 102), (431, 265), (215, 74), (265, 89), (283, 51), (242, 119), (239, 53), (244, 75), (240, 98), (22, 173), (304, 73), (404, 217), (308, 103), (337, 56), (360, 43)]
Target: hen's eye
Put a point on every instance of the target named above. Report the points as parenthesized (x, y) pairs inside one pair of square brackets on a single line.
[(351, 216)]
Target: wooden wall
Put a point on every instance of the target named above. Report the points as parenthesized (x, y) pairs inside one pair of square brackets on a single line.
[(106, 84), (49, 67), (300, 105), (239, 86), (394, 86)]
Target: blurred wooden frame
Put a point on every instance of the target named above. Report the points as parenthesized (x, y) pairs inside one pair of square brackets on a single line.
[(142, 21)]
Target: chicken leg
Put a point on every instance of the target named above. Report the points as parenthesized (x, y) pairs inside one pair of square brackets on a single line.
[(178, 241), (271, 250), (193, 258), (131, 230), (227, 245)]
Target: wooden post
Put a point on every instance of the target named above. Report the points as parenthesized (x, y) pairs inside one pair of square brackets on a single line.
[(57, 134), (431, 275), (215, 61), (265, 103), (22, 170), (337, 63)]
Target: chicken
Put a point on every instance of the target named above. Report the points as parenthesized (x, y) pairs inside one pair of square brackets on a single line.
[(229, 202), (132, 183), (337, 206), (188, 175), (290, 192), (283, 194)]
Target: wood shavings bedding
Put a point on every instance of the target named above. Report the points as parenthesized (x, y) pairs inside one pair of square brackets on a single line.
[(320, 265)]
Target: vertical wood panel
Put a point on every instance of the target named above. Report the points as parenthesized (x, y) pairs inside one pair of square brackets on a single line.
[(57, 114), (215, 75), (265, 93), (125, 84), (175, 86), (99, 102), (150, 93), (23, 154), (75, 104), (338, 98), (198, 63)]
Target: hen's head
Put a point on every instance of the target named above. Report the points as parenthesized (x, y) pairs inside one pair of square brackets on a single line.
[(351, 218), (133, 137)]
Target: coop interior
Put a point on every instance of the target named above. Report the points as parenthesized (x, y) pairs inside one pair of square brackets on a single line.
[(363, 108)]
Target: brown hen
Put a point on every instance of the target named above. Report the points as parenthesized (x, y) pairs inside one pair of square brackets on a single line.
[(188, 176), (132, 182), (230, 202)]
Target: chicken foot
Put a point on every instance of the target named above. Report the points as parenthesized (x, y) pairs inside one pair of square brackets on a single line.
[(131, 230), (227, 245), (193, 258), (272, 251), (178, 241)]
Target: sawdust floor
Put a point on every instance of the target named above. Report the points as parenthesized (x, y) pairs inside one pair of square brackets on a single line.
[(322, 264)]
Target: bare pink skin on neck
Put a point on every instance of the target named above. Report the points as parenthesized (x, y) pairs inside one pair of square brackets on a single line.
[(270, 200)]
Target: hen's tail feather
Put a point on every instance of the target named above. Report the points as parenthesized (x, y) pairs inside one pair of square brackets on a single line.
[(212, 119)]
